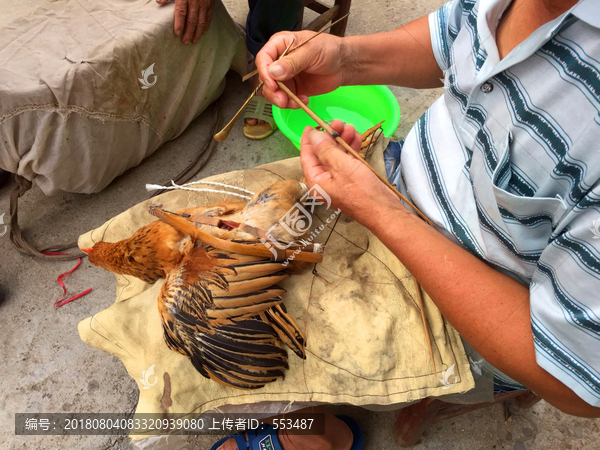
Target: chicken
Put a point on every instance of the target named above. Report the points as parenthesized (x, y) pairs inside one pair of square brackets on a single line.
[(220, 304), (154, 250)]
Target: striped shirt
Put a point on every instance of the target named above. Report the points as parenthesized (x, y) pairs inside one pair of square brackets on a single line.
[(507, 164)]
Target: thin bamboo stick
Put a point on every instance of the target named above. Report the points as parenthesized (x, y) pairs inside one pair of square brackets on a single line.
[(257, 249), (372, 130), (424, 320), (222, 135)]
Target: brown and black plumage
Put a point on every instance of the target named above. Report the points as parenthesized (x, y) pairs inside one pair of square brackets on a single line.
[(220, 305), (225, 312), (155, 249)]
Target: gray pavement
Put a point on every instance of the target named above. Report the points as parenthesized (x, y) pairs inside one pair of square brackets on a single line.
[(45, 366)]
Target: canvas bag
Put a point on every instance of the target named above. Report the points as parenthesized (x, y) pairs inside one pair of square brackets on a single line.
[(365, 341), (73, 112)]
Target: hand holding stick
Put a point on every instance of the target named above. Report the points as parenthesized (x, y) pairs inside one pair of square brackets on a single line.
[(254, 72), (222, 135), (350, 150)]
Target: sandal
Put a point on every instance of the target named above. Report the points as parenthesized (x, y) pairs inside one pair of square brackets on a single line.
[(259, 108), (265, 437)]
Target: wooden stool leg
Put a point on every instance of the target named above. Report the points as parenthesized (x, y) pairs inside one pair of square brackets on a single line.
[(527, 400), (412, 421), (340, 28)]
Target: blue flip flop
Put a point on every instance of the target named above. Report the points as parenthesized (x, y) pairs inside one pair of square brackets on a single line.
[(265, 437), (357, 443)]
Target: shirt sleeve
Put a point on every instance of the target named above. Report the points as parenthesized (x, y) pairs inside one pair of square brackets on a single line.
[(444, 25), (565, 304)]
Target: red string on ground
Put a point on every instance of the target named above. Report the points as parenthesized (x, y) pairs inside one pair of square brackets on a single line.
[(58, 303)]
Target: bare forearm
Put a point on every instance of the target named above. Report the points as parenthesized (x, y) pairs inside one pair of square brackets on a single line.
[(402, 57), (489, 309)]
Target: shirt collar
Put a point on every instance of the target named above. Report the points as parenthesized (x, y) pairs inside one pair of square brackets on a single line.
[(588, 11), (489, 13)]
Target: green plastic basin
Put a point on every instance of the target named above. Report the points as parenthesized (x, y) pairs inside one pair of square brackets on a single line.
[(361, 106)]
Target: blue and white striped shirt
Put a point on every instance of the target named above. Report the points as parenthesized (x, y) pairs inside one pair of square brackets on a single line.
[(507, 164)]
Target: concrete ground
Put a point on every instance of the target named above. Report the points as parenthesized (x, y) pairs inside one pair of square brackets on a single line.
[(46, 368)]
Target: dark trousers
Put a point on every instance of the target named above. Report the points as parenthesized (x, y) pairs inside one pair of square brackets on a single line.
[(267, 17)]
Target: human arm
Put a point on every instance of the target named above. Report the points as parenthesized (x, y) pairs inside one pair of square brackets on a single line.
[(402, 57), (191, 18), (490, 310)]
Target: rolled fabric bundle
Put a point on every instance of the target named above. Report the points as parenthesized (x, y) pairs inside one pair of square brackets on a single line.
[(89, 89)]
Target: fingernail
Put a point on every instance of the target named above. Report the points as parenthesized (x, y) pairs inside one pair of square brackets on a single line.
[(316, 137), (276, 70)]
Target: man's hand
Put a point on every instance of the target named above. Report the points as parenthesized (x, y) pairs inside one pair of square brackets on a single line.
[(351, 185), (192, 18), (315, 68)]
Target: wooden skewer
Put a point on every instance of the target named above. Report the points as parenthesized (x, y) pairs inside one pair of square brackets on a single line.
[(254, 72), (353, 152), (222, 135), (371, 130), (368, 137), (424, 320), (257, 249)]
